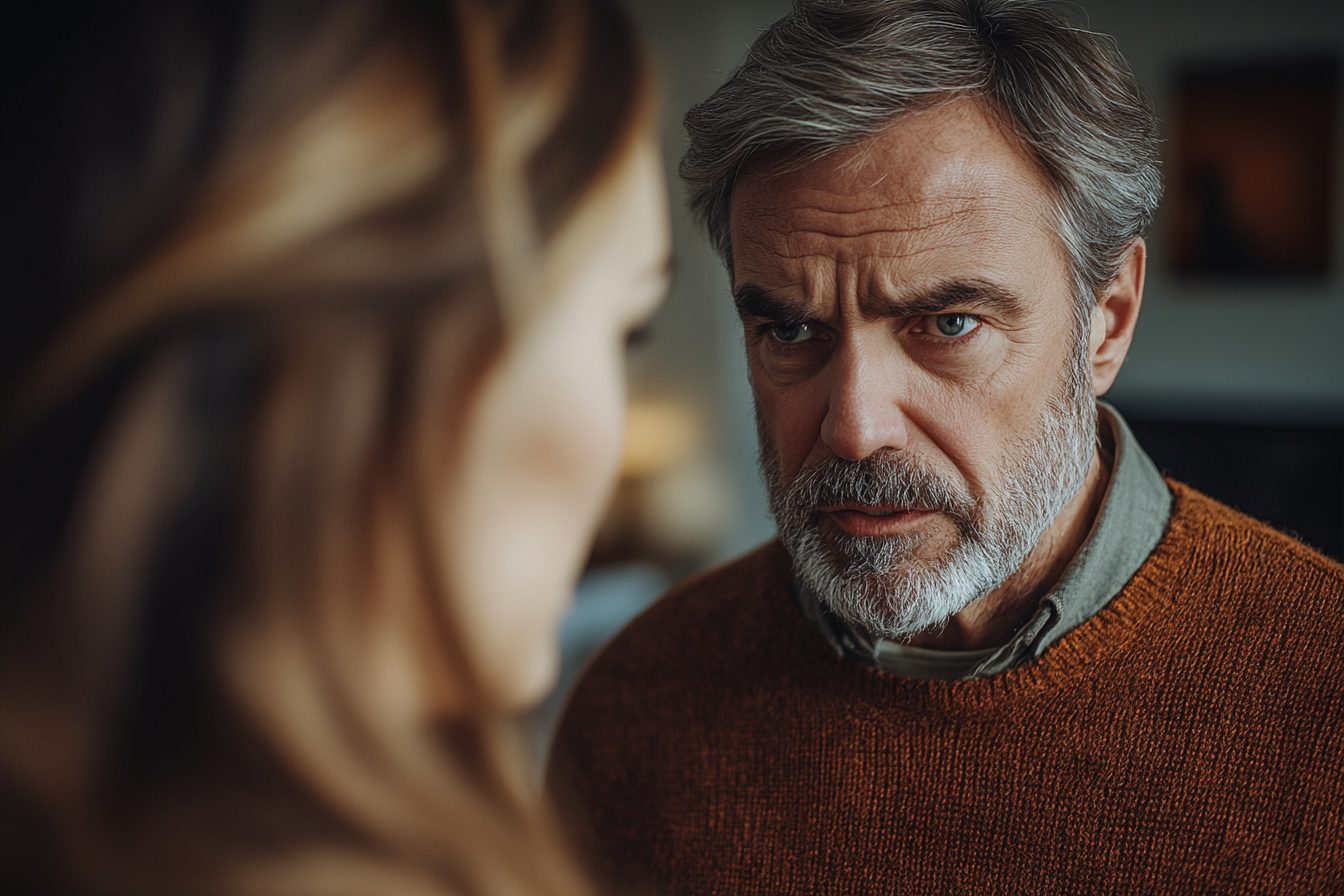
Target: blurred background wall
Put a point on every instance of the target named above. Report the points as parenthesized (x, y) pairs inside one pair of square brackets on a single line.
[(1235, 382)]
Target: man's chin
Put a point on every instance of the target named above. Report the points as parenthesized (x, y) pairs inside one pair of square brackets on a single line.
[(892, 590), (889, 608)]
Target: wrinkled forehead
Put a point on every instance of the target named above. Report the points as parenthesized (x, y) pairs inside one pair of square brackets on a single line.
[(949, 173)]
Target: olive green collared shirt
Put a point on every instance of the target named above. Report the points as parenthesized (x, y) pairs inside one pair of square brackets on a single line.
[(1132, 519)]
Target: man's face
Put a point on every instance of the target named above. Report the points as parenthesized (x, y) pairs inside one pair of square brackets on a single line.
[(920, 376)]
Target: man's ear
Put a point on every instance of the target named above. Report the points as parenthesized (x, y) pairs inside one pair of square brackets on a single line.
[(1114, 318)]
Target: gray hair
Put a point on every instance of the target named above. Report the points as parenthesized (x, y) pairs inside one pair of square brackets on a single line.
[(833, 73)]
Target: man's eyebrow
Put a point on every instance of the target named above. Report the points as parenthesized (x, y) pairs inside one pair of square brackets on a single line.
[(969, 294), (753, 301), (756, 302)]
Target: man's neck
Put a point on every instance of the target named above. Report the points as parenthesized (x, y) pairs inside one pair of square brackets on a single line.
[(994, 618)]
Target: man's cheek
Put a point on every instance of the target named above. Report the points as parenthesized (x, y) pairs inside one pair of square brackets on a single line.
[(796, 430)]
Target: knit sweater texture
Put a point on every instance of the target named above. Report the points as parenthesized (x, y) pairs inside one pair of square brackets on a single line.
[(1189, 738)]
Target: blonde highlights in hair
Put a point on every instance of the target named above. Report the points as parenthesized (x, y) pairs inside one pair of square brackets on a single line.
[(214, 685)]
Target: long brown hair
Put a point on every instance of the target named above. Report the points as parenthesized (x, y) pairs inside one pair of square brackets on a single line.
[(275, 244)]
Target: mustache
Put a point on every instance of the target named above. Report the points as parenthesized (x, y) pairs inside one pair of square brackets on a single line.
[(888, 477)]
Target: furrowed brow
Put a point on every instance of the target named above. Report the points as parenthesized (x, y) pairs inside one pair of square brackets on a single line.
[(971, 295), (757, 303)]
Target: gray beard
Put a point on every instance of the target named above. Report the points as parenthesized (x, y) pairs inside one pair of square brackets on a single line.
[(886, 584)]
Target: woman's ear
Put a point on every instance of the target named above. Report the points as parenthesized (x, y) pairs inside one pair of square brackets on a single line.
[(1114, 318)]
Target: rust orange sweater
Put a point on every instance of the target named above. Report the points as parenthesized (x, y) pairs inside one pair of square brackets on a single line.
[(1187, 739)]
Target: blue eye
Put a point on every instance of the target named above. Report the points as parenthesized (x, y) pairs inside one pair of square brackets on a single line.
[(791, 334), (955, 324)]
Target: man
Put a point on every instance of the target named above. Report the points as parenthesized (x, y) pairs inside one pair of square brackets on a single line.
[(992, 651)]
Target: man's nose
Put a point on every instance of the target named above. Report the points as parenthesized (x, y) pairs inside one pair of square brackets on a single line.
[(864, 414)]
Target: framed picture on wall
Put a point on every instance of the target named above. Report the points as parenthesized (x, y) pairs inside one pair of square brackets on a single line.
[(1252, 173)]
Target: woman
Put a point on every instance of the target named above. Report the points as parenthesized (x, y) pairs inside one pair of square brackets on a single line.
[(313, 396)]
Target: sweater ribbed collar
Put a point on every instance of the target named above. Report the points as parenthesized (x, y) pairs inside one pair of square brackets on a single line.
[(1131, 521)]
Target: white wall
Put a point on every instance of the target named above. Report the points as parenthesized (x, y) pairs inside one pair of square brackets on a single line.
[(1252, 353)]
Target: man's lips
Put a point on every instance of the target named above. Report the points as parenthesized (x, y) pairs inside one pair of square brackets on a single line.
[(864, 520)]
